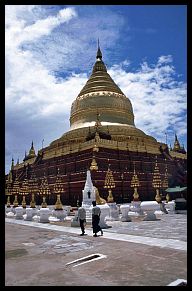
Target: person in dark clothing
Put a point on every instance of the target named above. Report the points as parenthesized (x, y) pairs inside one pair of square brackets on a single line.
[(96, 211)]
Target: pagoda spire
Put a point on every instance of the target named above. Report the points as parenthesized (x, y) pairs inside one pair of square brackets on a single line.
[(99, 64), (32, 151), (32, 147), (12, 164), (99, 53), (177, 146), (25, 157)]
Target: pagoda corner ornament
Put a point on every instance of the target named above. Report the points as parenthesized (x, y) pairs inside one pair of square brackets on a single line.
[(156, 182), (24, 189), (33, 189), (16, 190), (165, 183), (58, 189), (109, 184), (44, 191), (8, 189), (134, 184), (93, 165)]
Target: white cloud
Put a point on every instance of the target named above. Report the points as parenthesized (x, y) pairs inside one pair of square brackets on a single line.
[(159, 101), (17, 31), (45, 26), (28, 82), (165, 59)]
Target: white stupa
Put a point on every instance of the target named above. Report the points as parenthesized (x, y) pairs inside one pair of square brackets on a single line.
[(88, 191)]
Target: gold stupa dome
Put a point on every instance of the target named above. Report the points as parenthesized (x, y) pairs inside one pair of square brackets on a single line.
[(101, 110), (101, 94)]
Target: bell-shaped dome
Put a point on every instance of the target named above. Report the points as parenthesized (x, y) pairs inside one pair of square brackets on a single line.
[(101, 94)]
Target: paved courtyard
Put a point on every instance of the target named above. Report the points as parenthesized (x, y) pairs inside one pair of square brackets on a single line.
[(139, 253)]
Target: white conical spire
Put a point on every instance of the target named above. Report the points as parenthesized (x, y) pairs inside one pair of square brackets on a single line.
[(88, 183), (89, 191)]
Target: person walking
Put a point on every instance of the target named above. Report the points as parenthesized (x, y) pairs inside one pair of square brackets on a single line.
[(96, 212), (82, 218)]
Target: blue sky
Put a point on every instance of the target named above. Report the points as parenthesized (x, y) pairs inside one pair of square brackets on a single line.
[(49, 54)]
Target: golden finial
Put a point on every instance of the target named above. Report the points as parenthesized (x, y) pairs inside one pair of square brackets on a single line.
[(93, 165), (135, 183), (165, 181), (156, 182), (58, 189), (16, 190), (109, 183), (24, 189), (33, 188), (8, 189), (44, 190), (95, 148)]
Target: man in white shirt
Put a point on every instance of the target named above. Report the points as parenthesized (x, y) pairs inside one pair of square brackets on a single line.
[(82, 218), (96, 211)]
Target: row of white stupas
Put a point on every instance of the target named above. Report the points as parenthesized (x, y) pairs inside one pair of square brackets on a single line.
[(136, 210)]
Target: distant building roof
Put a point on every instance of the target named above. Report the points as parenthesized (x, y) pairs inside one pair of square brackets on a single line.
[(175, 189)]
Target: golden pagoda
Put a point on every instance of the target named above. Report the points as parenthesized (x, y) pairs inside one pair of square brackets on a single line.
[(102, 127)]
